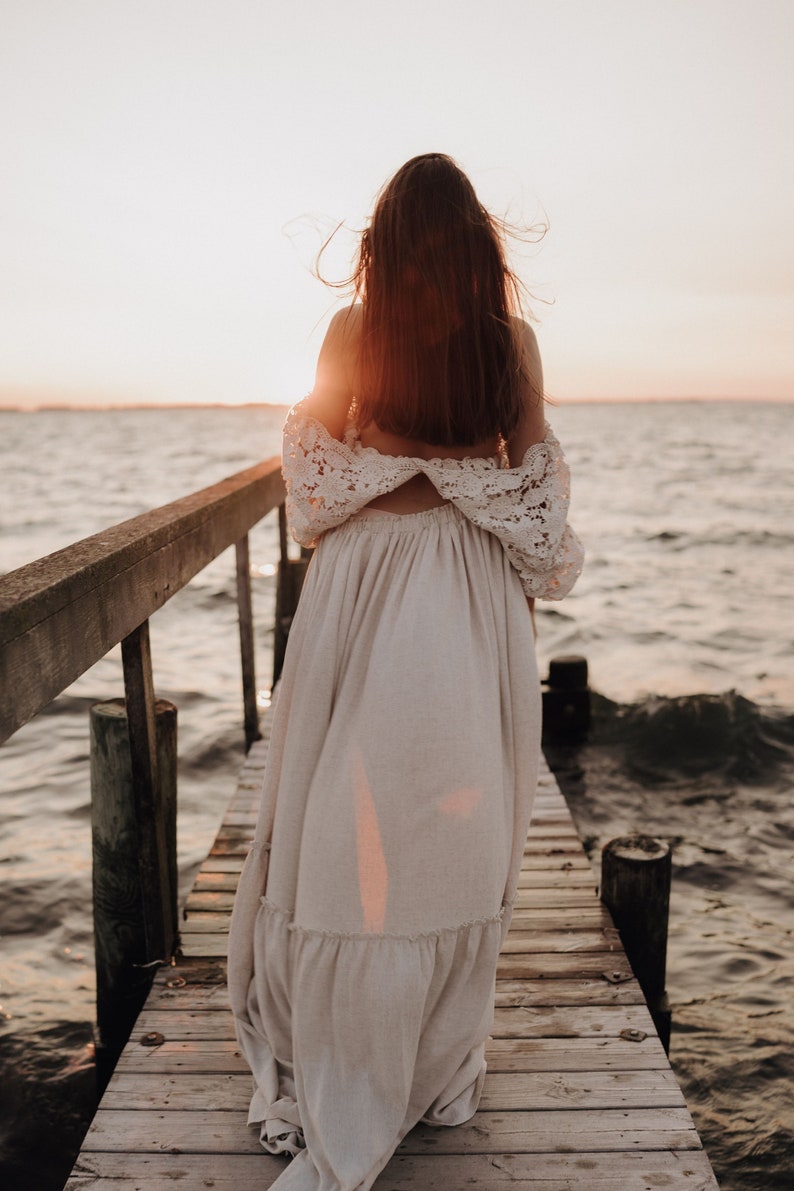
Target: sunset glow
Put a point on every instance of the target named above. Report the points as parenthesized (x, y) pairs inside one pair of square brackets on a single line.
[(373, 874), (172, 170)]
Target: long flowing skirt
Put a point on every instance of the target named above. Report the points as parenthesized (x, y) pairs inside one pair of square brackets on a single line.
[(397, 797)]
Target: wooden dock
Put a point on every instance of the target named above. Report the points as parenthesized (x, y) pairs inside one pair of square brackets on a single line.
[(579, 1094)]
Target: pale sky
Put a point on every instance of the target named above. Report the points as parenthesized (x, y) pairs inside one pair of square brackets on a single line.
[(169, 168)]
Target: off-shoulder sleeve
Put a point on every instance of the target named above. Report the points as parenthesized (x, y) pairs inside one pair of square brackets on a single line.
[(326, 481), (526, 507)]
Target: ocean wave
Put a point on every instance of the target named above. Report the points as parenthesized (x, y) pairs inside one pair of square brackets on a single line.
[(49, 1097), (693, 735), (680, 540), (42, 905)]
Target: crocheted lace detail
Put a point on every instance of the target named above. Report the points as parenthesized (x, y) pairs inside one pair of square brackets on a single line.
[(526, 507)]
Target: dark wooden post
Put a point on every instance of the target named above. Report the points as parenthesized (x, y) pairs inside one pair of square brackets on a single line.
[(291, 573), (635, 886), (156, 867), (246, 618), (566, 701), (125, 962)]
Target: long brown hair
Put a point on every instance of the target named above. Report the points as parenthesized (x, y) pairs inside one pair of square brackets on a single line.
[(439, 360)]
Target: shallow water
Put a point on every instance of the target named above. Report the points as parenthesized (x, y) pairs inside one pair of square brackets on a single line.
[(686, 511)]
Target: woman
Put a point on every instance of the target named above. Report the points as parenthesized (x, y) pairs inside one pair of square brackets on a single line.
[(405, 743)]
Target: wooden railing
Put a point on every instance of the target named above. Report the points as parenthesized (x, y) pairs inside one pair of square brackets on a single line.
[(61, 614)]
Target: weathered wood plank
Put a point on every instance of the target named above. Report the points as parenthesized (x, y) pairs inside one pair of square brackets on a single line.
[(570, 905), (223, 864), (189, 1057), (548, 879), (572, 846), (210, 939), (581, 1054), (555, 827), (178, 973), (205, 922), (532, 941), (230, 847), (215, 1026), (544, 1021), (575, 894), (204, 944), (538, 899), (566, 966), (549, 917), (570, 1021), (194, 998), (520, 940), (566, 993), (208, 1132), (587, 1171), (221, 876), (502, 1055), (542, 992), (559, 862), (510, 1091)]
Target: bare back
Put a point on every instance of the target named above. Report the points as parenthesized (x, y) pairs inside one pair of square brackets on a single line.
[(334, 392)]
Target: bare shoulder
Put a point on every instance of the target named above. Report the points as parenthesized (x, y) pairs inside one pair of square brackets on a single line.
[(334, 382), (528, 345), (532, 427), (344, 329)]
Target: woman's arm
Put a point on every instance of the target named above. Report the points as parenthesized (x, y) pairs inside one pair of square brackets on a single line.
[(334, 384), (531, 605), (532, 427)]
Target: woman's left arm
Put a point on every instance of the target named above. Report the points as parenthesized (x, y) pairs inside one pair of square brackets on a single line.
[(330, 399)]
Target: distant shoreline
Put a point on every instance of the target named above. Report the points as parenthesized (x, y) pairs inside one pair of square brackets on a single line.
[(554, 402), (111, 407)]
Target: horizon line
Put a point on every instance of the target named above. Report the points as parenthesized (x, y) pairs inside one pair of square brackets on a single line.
[(555, 402)]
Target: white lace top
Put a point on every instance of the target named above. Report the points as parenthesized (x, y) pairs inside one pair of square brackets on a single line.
[(525, 507)]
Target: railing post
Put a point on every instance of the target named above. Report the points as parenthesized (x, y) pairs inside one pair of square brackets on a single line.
[(158, 869), (291, 573), (246, 618), (125, 961)]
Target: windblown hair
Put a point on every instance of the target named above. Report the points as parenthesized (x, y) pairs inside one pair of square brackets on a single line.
[(439, 360)]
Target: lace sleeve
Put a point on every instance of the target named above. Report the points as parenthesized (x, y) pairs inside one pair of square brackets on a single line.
[(326, 481), (526, 507)]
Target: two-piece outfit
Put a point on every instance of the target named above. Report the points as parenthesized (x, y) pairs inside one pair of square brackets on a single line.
[(397, 797)]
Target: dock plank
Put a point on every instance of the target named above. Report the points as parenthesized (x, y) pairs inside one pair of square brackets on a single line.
[(579, 1094), (652, 1088), (595, 1171)]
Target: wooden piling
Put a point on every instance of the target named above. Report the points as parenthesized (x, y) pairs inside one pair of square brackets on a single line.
[(566, 701), (635, 886), (126, 940), (157, 870), (246, 619)]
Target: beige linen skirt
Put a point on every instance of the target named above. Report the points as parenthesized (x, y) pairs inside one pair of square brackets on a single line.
[(397, 796)]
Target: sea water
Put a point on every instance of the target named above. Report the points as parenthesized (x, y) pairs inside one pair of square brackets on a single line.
[(684, 613)]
